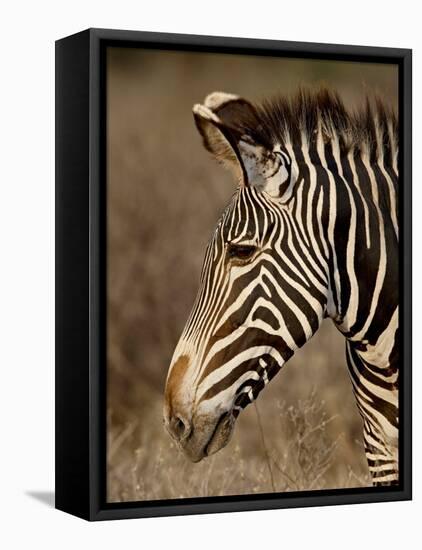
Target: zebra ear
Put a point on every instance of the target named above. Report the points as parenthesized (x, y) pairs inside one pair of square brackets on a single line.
[(221, 140), (229, 108), (219, 121)]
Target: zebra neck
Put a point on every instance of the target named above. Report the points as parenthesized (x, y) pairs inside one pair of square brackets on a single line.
[(361, 242), (382, 353)]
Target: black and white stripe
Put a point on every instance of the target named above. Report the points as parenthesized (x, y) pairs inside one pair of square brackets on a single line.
[(310, 232)]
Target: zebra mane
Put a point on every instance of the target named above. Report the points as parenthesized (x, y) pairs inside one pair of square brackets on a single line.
[(371, 130)]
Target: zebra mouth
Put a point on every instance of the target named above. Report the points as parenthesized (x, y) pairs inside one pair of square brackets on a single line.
[(221, 434)]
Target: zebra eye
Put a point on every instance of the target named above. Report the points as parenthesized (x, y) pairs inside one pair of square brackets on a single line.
[(240, 251)]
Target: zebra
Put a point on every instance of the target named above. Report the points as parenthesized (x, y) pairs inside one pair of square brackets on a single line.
[(310, 232)]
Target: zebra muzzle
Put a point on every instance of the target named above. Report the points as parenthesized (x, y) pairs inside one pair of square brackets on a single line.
[(221, 434)]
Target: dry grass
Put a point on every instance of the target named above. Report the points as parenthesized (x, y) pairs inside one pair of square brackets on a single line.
[(144, 465), (164, 197)]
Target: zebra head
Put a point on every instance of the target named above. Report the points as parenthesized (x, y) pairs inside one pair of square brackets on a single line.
[(264, 284)]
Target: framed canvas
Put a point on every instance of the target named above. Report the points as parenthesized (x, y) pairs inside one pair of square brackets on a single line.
[(225, 206)]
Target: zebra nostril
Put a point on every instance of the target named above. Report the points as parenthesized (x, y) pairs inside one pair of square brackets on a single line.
[(179, 427)]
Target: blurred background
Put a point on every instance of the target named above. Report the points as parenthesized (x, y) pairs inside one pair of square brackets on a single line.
[(165, 194)]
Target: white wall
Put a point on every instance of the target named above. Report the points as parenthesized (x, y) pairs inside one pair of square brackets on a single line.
[(27, 271)]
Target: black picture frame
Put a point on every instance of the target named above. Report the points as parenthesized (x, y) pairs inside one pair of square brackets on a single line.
[(81, 273)]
